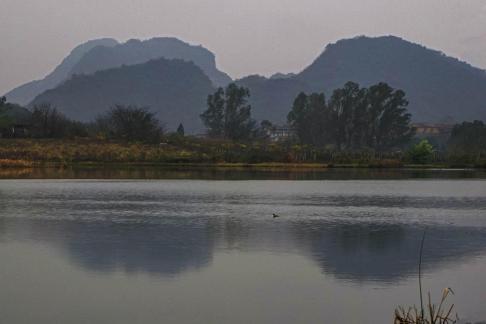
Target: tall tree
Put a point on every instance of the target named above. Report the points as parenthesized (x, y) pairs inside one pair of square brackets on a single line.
[(228, 114), (311, 119), (354, 118), (467, 138), (347, 105), (389, 117), (299, 119), (214, 116)]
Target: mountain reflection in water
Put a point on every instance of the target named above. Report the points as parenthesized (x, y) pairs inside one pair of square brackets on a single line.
[(168, 228)]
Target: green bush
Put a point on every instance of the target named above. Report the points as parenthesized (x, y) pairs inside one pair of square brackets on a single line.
[(421, 153)]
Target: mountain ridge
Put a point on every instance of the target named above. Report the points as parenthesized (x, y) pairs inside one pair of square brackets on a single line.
[(175, 90), (438, 87), (136, 51), (107, 53), (23, 94)]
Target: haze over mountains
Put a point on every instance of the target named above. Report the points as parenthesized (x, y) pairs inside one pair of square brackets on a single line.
[(439, 88), (135, 52), (436, 85), (26, 93), (102, 54)]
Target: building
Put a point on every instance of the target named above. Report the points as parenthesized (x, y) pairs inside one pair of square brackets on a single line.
[(281, 133), (432, 130)]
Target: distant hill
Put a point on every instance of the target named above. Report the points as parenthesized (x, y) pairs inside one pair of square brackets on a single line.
[(438, 87), (26, 93), (174, 89), (136, 52), (103, 54)]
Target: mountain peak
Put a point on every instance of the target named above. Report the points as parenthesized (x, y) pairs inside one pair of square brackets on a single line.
[(105, 53), (25, 93), (136, 51), (436, 85)]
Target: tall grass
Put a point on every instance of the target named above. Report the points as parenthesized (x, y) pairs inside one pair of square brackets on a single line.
[(433, 313), (187, 150)]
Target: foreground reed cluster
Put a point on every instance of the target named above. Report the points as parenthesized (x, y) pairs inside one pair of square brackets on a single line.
[(432, 314)]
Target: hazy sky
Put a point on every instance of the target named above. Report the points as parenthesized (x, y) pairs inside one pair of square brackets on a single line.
[(247, 36)]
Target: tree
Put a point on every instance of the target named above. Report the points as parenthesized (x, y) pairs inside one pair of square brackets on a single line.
[(348, 106), (299, 119), (468, 138), (129, 123), (263, 132), (311, 119), (180, 130), (5, 120), (228, 114), (48, 122), (354, 118), (389, 117), (214, 117), (421, 153)]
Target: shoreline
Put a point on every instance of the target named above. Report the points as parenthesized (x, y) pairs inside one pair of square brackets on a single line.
[(278, 166)]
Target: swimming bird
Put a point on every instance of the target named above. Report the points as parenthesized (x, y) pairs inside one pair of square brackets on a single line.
[(276, 216)]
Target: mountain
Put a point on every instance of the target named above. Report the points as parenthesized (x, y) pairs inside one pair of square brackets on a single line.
[(136, 52), (438, 87), (107, 53), (175, 90), (26, 93)]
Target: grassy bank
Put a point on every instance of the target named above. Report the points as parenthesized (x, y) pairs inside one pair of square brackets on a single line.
[(197, 153)]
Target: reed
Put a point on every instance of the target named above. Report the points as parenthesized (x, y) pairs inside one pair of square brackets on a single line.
[(433, 313)]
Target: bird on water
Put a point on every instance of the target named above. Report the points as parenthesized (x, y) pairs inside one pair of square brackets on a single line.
[(276, 216)]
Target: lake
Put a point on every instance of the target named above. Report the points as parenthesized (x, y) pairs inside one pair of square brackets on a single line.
[(345, 249)]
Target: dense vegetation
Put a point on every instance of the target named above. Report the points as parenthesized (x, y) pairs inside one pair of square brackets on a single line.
[(129, 124), (366, 127), (353, 119), (467, 143), (5, 120), (11, 114), (228, 115), (48, 122)]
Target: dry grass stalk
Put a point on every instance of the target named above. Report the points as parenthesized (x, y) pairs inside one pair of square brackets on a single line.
[(435, 314)]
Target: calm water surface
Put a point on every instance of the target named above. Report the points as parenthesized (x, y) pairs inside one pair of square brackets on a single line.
[(204, 251)]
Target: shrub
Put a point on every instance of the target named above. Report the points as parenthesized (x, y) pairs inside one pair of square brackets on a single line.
[(421, 153)]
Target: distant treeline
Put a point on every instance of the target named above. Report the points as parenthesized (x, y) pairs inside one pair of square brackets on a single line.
[(355, 125), (353, 119)]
